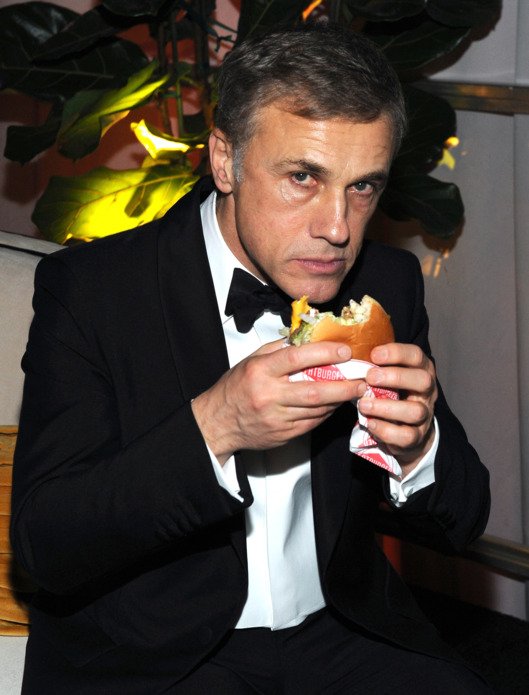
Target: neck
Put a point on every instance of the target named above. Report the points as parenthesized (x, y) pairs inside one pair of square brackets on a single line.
[(225, 211)]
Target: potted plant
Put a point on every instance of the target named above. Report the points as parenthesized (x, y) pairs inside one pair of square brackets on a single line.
[(92, 74)]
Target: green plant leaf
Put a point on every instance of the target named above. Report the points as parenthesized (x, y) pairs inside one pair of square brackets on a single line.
[(261, 16), (187, 25), (195, 126), (382, 10), (417, 46), (431, 121), (133, 8), (436, 204), (95, 204), (25, 142), (82, 33), (163, 146), (464, 13), (26, 27), (88, 115)]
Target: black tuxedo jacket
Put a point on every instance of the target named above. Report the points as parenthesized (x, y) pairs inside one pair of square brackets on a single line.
[(139, 554)]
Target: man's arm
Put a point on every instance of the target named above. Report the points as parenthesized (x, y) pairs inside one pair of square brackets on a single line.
[(256, 406), (405, 426), (454, 510), (86, 503)]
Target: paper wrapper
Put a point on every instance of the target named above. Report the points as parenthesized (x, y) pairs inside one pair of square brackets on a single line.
[(361, 442)]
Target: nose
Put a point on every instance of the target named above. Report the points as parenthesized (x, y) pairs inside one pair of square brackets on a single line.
[(330, 221)]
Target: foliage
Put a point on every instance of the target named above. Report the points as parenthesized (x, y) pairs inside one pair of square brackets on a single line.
[(92, 77)]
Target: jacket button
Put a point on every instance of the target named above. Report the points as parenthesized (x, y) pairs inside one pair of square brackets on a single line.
[(205, 634)]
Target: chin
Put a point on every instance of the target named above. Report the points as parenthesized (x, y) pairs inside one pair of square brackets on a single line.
[(320, 294), (319, 290)]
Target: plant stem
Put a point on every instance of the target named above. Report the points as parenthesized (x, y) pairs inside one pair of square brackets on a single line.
[(162, 59), (202, 62), (178, 88)]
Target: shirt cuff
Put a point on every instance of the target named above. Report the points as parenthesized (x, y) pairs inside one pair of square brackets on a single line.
[(226, 475), (420, 477)]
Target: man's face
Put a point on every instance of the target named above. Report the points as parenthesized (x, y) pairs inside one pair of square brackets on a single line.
[(305, 192)]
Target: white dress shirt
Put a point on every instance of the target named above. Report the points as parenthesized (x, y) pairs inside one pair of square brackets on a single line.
[(283, 580)]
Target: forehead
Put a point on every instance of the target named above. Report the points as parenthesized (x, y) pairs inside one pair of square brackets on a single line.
[(281, 135)]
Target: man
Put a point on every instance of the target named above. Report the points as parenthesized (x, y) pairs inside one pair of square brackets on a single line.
[(200, 528)]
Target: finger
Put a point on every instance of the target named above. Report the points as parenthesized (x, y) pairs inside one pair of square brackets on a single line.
[(271, 347), (313, 394), (409, 412), (405, 354), (411, 380), (295, 359), (397, 437)]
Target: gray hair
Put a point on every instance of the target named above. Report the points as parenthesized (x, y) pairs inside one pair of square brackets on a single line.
[(317, 71)]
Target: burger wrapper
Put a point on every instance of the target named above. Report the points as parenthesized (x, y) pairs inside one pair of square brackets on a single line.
[(361, 442)]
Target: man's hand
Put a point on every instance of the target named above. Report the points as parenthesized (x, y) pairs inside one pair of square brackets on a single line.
[(404, 426), (255, 406)]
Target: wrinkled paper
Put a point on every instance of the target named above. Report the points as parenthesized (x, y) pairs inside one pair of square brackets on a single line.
[(361, 442)]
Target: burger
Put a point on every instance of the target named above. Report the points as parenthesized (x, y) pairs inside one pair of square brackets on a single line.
[(362, 326)]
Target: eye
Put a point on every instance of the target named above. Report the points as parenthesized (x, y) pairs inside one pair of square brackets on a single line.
[(364, 188), (302, 178)]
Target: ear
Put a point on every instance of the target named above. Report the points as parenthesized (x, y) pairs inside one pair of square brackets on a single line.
[(221, 159)]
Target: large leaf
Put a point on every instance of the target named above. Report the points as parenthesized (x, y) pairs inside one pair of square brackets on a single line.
[(193, 16), (415, 47), (148, 9), (453, 13), (261, 16), (133, 8), (88, 115), (431, 121), (79, 124), (436, 204), (464, 13), (98, 203), (82, 33), (99, 24), (25, 142), (382, 10), (26, 27), (163, 146)]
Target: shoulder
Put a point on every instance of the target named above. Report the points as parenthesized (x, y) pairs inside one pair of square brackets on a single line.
[(105, 253), (377, 255), (393, 277), (129, 251), (382, 270)]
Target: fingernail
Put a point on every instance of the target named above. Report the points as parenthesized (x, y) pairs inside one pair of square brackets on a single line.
[(379, 353), (344, 351), (366, 405), (376, 376)]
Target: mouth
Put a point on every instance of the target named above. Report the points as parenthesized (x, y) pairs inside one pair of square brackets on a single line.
[(322, 266)]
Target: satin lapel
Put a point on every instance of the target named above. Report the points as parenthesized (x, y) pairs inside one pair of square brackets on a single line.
[(339, 479), (190, 309), (331, 479), (188, 297)]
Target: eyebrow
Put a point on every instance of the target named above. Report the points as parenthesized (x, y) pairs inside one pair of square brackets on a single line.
[(303, 165), (316, 169)]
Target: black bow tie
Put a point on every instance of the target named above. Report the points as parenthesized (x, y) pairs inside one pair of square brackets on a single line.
[(248, 299)]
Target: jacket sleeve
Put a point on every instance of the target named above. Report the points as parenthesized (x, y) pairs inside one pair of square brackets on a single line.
[(453, 511), (85, 503)]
